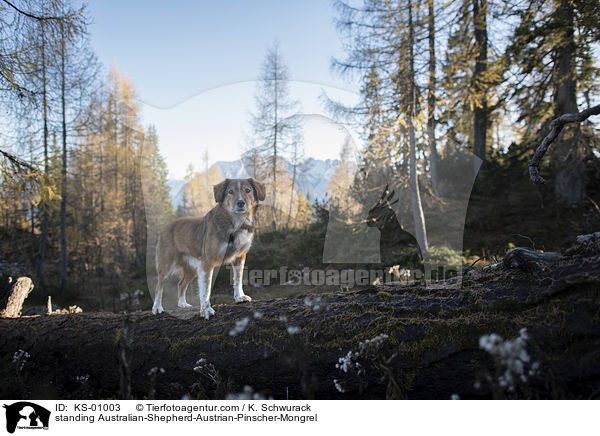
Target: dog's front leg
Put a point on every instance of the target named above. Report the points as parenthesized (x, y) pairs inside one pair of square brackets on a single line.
[(204, 285), (238, 271)]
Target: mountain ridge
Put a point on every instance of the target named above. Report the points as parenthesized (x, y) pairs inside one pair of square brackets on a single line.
[(312, 177)]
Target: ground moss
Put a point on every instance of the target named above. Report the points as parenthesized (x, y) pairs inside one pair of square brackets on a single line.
[(180, 346)]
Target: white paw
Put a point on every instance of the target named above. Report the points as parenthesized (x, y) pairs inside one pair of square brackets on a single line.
[(207, 312), (183, 304), (157, 309), (241, 298)]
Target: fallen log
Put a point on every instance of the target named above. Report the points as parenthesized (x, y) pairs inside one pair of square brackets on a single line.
[(380, 342), (527, 258), (11, 301)]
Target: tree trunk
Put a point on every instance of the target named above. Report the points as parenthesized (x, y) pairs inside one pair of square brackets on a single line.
[(11, 301), (480, 113), (135, 181), (206, 177), (275, 164), (43, 206), (430, 353), (287, 225), (415, 195), (433, 154), (63, 200), (568, 153)]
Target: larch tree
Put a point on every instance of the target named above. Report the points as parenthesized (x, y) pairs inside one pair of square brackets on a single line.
[(77, 74), (296, 156), (384, 50), (32, 76), (274, 123)]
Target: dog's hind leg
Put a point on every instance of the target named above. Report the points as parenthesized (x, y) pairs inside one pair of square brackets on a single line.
[(187, 275)]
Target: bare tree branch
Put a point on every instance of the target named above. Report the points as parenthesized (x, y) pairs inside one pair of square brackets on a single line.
[(556, 125), (35, 17), (17, 161)]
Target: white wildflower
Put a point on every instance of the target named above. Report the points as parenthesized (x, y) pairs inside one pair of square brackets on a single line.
[(534, 368), (200, 364), (20, 358), (155, 370), (455, 397), (347, 362), (372, 344), (257, 315), (512, 357), (246, 394), (283, 318), (293, 330), (207, 369), (338, 386), (240, 326), (313, 303), (82, 378)]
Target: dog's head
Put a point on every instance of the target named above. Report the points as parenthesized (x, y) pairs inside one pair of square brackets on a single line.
[(239, 195)]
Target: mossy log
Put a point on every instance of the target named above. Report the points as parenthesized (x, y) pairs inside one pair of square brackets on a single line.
[(287, 349)]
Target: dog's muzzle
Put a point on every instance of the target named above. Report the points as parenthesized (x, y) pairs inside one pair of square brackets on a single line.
[(240, 206)]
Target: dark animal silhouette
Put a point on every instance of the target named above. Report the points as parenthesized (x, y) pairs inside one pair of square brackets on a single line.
[(13, 415), (383, 216)]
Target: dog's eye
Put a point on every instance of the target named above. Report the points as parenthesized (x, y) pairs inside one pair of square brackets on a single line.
[(247, 191), (230, 192)]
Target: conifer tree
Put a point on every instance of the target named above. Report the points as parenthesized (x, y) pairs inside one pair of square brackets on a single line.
[(551, 51)]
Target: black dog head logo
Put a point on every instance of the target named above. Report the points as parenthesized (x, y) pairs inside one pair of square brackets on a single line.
[(27, 415)]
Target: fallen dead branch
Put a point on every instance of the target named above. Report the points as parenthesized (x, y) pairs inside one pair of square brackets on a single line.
[(556, 125)]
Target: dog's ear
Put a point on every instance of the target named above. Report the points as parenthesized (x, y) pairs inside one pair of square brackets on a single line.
[(259, 189), (220, 189)]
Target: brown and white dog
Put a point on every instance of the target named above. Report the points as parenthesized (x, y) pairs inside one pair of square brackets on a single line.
[(193, 246)]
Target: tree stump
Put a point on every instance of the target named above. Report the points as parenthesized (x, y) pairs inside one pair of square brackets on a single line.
[(11, 301)]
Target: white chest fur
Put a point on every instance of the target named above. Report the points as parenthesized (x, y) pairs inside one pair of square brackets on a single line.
[(238, 244), (244, 239)]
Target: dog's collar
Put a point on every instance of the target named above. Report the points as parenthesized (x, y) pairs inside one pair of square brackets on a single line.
[(249, 228)]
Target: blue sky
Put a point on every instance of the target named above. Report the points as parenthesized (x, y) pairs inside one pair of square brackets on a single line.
[(193, 64)]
